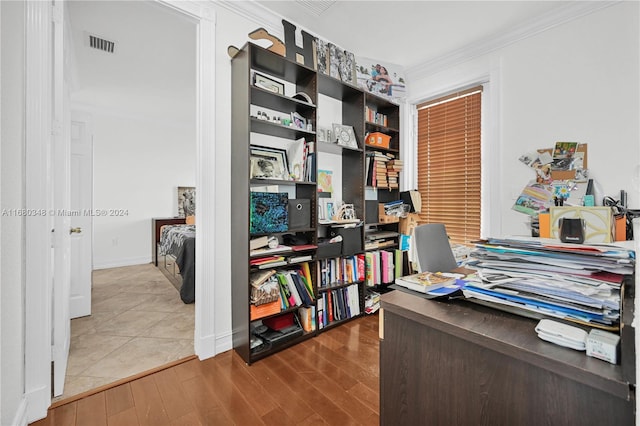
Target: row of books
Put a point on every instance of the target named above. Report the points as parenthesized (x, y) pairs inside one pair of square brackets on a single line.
[(294, 289), (349, 269), (307, 316), (338, 305), (291, 287), (383, 266), (382, 170), (372, 116)]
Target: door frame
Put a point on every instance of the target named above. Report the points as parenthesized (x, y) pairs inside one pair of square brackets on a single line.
[(38, 117)]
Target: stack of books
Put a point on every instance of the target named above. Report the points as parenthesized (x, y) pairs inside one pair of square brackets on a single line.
[(394, 167), (371, 302)]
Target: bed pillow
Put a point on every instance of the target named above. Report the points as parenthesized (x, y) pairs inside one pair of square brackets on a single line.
[(190, 220)]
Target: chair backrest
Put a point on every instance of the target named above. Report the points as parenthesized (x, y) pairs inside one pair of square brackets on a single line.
[(433, 248)]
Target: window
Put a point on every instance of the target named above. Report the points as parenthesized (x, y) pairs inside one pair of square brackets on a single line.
[(449, 163)]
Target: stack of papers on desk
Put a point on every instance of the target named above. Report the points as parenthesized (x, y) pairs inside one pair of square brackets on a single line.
[(574, 282)]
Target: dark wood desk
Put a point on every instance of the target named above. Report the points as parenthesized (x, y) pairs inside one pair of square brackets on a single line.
[(458, 363)]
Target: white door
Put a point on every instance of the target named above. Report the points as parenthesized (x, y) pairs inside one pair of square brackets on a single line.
[(81, 219), (59, 217)]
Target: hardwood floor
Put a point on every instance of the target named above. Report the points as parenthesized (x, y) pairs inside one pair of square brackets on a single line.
[(332, 379)]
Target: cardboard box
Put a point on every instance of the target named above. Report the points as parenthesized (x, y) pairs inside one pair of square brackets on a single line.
[(599, 222), (383, 218), (407, 224), (264, 310)]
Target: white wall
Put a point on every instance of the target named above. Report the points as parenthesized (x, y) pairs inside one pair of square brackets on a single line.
[(138, 164), (576, 82), (12, 227)]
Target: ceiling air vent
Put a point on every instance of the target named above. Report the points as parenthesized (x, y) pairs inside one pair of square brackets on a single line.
[(316, 7), (101, 43)]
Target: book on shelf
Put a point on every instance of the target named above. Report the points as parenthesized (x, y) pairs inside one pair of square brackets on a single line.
[(287, 295), (424, 282), (303, 247), (307, 299), (269, 250), (293, 288), (258, 278), (268, 261), (307, 316), (256, 243), (298, 259)]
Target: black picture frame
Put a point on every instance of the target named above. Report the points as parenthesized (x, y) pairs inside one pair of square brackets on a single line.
[(268, 163), (266, 83)]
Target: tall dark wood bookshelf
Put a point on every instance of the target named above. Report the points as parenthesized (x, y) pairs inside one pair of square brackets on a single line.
[(247, 129)]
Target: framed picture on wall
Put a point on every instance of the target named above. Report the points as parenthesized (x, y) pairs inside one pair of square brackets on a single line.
[(186, 201)]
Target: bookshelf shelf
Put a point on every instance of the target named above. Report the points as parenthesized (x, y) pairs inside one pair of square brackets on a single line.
[(251, 101)]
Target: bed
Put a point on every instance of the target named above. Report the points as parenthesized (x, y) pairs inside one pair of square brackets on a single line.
[(174, 254)]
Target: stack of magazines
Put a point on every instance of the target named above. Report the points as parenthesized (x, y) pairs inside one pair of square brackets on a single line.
[(533, 277)]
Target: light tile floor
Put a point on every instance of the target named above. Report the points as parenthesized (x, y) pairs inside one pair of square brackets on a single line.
[(138, 322)]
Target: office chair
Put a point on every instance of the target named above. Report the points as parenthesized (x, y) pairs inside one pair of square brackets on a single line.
[(433, 248)]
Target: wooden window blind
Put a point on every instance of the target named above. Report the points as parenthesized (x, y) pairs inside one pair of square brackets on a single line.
[(449, 163)]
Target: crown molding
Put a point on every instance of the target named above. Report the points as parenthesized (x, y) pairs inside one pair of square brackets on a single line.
[(561, 15), (253, 11)]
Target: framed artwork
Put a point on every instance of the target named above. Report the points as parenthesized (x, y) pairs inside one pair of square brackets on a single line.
[(268, 163), (186, 201), (325, 181), (264, 82), (298, 121), (345, 135), (380, 78)]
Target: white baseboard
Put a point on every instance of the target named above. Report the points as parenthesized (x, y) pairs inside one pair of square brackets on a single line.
[(210, 346), (116, 263), (20, 418)]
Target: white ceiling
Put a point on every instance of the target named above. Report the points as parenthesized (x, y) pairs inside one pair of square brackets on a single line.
[(152, 69), (153, 66), (408, 33)]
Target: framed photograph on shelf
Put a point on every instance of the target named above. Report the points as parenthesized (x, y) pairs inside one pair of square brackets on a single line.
[(345, 135), (298, 121), (264, 82), (268, 163)]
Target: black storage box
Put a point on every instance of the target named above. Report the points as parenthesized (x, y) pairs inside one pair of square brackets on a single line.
[(351, 239), (299, 213), (326, 249)]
